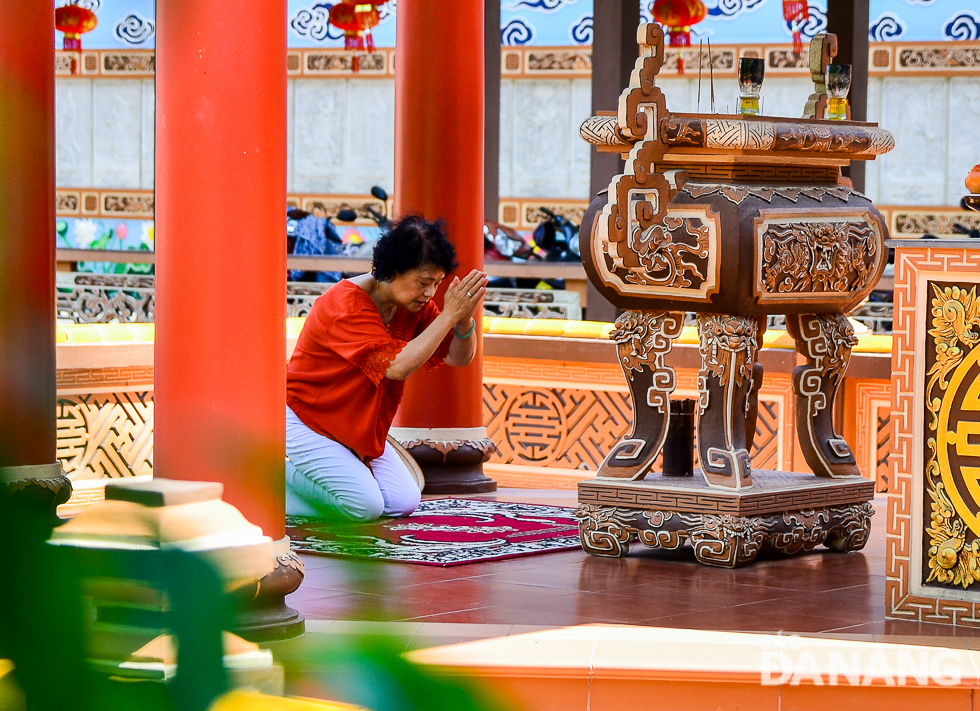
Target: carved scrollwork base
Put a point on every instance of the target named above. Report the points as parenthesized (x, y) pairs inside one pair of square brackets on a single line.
[(605, 530), (853, 529), (724, 540)]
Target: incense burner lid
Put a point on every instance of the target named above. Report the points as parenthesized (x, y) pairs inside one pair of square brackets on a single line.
[(716, 134)]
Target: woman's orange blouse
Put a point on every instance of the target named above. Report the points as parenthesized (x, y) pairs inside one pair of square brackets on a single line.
[(335, 380)]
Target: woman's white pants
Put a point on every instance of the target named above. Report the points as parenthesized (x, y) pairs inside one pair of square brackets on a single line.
[(324, 478)]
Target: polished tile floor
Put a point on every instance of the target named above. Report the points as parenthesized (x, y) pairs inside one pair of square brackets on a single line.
[(819, 592)]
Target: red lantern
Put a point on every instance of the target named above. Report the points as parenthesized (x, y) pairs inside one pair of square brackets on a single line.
[(678, 16), (796, 12), (356, 20), (74, 21)]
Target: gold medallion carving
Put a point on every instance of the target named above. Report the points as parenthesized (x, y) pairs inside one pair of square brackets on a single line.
[(953, 437)]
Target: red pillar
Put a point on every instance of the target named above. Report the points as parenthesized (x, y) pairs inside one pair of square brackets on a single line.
[(439, 102), (220, 364), (27, 216)]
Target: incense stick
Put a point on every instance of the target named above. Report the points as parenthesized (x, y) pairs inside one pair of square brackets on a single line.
[(700, 67), (711, 70)]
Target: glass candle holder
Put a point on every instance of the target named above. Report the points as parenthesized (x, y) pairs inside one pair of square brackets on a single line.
[(838, 80), (751, 72)]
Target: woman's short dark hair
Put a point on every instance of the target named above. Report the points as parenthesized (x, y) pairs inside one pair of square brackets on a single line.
[(413, 242)]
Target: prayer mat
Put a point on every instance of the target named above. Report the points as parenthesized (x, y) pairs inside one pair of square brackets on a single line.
[(443, 532)]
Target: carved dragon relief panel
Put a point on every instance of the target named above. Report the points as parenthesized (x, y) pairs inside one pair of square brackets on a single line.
[(828, 257), (639, 247), (676, 258)]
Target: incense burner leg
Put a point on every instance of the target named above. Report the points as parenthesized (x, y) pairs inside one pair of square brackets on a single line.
[(758, 374), (752, 413), (728, 349), (643, 339), (825, 341)]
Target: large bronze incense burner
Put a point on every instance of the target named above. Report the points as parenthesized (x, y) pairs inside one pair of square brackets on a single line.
[(733, 218)]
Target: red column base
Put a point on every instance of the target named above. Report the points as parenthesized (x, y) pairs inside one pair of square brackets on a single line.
[(262, 614), (451, 464), (38, 490)]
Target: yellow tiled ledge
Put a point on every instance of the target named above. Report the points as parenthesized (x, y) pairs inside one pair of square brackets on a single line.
[(143, 332), (611, 667), (105, 332)]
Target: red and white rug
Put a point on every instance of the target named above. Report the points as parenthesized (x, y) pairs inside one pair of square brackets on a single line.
[(444, 532)]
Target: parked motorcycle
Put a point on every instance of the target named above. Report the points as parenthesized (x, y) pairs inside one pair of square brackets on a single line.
[(554, 240), (558, 236), (360, 247), (308, 234), (503, 244), (312, 235)]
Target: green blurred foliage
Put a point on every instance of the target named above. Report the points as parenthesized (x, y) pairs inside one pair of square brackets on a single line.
[(370, 671), (45, 637), (11, 695)]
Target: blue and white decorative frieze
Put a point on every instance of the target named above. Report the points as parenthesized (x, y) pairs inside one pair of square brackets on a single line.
[(646, 10), (516, 32), (125, 24), (134, 30), (111, 15), (308, 25), (812, 26), (963, 26), (387, 11), (553, 21), (730, 9), (886, 28), (313, 22), (581, 31), (541, 5)]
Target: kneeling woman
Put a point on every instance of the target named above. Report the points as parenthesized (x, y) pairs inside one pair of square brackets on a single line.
[(344, 381)]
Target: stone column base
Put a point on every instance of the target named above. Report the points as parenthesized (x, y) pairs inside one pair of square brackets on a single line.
[(42, 487), (262, 614), (451, 458)]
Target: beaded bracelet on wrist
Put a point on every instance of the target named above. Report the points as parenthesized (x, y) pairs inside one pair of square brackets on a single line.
[(468, 333)]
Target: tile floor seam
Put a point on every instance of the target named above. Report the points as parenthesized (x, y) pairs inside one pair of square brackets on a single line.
[(769, 602), (435, 614)]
